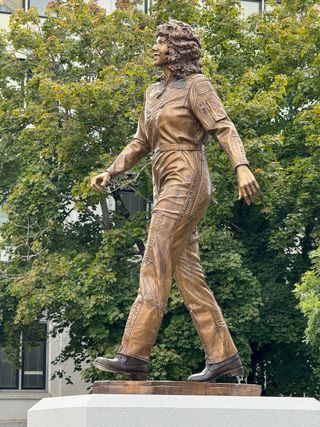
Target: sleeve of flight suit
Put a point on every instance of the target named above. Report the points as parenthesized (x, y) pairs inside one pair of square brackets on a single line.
[(208, 108), (134, 151)]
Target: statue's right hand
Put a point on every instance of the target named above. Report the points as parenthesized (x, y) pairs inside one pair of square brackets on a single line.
[(98, 182)]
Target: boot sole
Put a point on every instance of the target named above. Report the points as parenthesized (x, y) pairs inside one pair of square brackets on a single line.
[(238, 371), (234, 372), (139, 376)]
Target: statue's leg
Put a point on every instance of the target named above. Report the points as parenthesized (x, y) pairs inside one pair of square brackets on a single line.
[(198, 298), (168, 236), (183, 198)]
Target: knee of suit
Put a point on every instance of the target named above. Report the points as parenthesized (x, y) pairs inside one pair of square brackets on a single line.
[(154, 302)]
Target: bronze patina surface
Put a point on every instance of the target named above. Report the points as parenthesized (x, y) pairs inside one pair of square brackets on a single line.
[(175, 388), (180, 111)]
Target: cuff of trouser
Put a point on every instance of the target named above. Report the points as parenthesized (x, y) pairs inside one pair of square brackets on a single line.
[(220, 359), (135, 356)]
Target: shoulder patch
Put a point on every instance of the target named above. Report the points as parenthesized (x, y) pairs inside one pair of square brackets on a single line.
[(203, 85), (207, 104)]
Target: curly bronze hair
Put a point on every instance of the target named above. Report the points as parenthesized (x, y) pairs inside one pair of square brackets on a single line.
[(184, 48)]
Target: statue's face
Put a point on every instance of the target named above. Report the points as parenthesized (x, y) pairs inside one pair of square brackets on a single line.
[(159, 52)]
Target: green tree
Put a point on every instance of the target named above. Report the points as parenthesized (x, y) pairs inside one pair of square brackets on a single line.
[(308, 292), (79, 107)]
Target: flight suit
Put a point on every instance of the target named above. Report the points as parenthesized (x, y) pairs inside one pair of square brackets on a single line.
[(174, 125)]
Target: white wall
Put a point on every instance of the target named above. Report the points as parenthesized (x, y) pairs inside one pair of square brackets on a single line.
[(14, 407), (14, 404), (59, 387), (109, 5), (250, 7), (4, 20)]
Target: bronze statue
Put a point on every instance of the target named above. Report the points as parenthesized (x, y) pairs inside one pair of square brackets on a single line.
[(179, 113)]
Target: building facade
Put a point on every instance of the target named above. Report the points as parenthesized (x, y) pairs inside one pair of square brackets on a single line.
[(9, 6), (21, 388)]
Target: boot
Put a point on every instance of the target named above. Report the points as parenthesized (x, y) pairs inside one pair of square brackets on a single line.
[(231, 366), (136, 369)]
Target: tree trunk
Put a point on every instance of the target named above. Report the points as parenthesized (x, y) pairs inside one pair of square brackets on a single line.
[(105, 214)]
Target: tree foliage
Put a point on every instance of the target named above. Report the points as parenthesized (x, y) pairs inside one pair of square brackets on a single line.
[(71, 105)]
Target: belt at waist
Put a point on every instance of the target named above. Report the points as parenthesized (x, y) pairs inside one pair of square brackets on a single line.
[(179, 147)]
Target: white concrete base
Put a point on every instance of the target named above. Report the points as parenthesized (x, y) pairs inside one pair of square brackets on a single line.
[(15, 404), (119, 410), (13, 423)]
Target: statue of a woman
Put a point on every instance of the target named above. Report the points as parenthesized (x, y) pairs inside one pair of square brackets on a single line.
[(179, 113)]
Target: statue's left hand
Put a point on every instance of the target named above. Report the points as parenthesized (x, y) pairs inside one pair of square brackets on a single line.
[(247, 185)]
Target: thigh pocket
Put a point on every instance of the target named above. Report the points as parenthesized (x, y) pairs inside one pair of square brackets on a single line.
[(204, 193), (200, 192), (154, 226)]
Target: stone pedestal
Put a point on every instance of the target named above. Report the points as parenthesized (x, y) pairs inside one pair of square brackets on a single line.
[(188, 388), (130, 410)]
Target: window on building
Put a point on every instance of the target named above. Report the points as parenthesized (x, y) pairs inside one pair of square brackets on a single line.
[(34, 366), (144, 6), (132, 201), (40, 5), (9, 374), (110, 5), (251, 6), (9, 6), (31, 375), (3, 217), (256, 6)]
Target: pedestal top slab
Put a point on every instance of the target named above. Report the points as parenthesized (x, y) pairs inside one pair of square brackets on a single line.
[(189, 388), (130, 410)]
